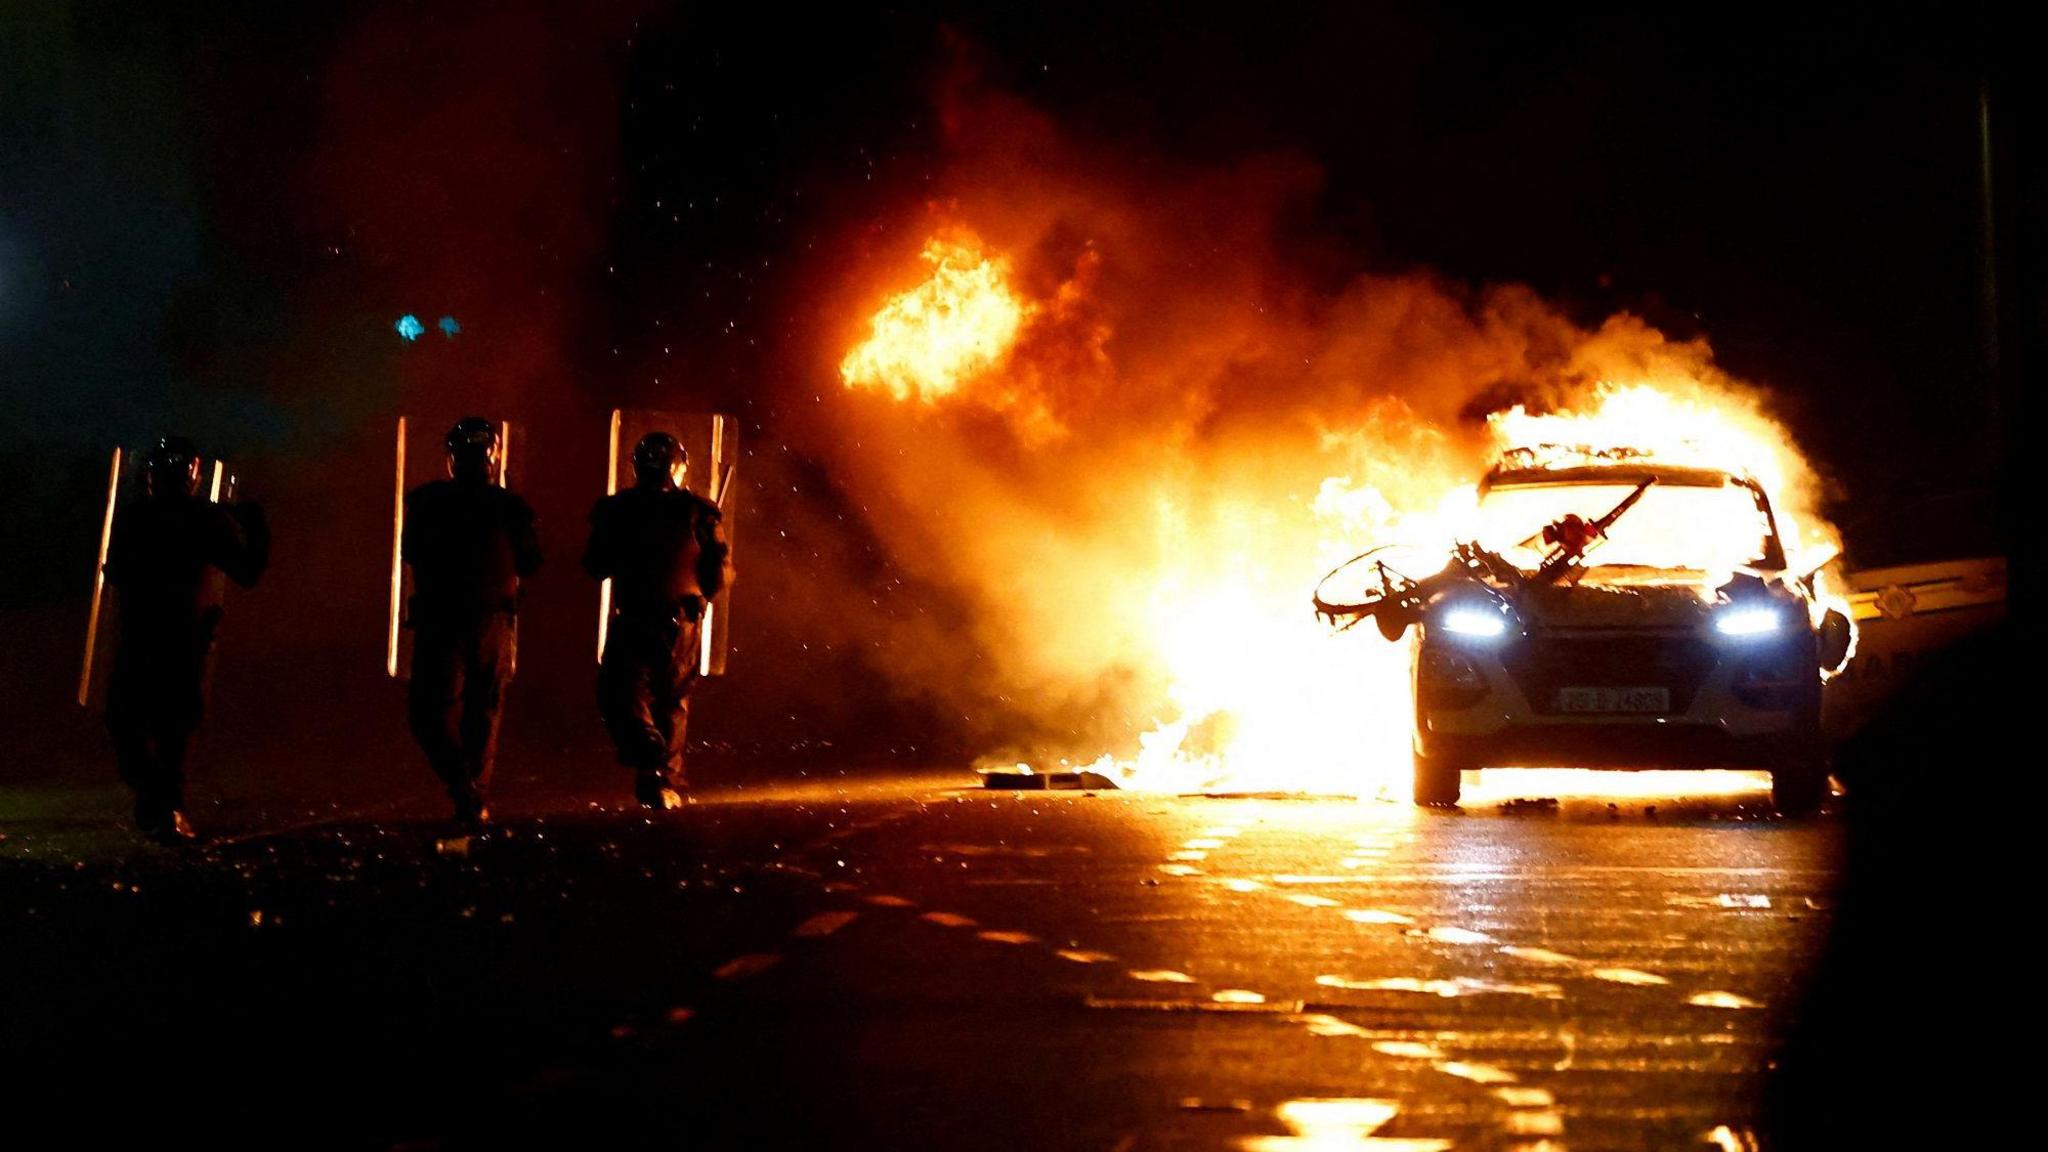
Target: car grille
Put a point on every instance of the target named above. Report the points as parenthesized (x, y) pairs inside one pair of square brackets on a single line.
[(1547, 662)]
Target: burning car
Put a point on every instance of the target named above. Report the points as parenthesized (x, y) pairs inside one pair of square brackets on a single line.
[(1611, 611)]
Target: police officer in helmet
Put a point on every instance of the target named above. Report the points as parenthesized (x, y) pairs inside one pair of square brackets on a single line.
[(168, 561), (470, 542), (662, 547)]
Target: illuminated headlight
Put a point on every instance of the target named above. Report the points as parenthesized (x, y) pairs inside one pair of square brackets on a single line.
[(1473, 622), (1748, 621)]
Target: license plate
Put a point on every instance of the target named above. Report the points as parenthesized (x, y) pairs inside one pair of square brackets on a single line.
[(1614, 699)]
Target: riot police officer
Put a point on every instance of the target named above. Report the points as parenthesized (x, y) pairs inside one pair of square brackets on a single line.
[(470, 541), (168, 561), (663, 549)]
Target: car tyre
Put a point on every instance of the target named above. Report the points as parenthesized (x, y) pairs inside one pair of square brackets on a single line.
[(1438, 780), (1799, 784)]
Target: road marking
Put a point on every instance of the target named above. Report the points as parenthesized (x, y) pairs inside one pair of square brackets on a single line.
[(1321, 1024), (1008, 937), (1629, 976), (1309, 900), (1731, 900), (1376, 916), (1446, 988), (679, 1015), (1721, 1000), (1195, 1006), (881, 901), (1540, 956), (824, 924), (1189, 854), (1198, 1104), (1519, 1097), (1084, 956), (1161, 976), (1476, 1073), (1447, 934), (1238, 996), (949, 920), (751, 964), (1408, 1049), (1180, 870), (1533, 1122), (1203, 844)]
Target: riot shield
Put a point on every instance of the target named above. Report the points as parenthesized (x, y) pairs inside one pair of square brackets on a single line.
[(713, 442), (125, 483), (420, 457)]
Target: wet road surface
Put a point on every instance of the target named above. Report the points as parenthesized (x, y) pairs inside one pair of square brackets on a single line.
[(905, 962)]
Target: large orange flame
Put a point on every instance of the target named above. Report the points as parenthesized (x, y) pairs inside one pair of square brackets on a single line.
[(1675, 421)]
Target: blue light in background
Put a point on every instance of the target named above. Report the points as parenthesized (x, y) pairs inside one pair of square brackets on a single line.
[(448, 326), (409, 327)]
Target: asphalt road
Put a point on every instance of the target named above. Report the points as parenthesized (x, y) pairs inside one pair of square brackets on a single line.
[(905, 961)]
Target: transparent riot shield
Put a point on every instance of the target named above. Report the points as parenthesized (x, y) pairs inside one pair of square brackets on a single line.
[(125, 483), (713, 442), (420, 457)]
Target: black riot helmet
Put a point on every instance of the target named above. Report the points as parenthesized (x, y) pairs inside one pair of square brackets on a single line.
[(171, 468), (659, 461), (473, 449)]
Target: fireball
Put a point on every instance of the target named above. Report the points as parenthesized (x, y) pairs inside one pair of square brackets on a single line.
[(959, 323)]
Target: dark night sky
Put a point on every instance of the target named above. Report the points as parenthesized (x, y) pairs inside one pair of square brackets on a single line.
[(210, 214), (1799, 189)]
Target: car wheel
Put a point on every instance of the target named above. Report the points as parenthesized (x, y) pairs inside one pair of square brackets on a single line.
[(1799, 783), (1438, 780)]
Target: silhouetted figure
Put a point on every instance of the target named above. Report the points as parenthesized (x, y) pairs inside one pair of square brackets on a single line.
[(168, 561), (469, 542), (1907, 1008), (662, 548)]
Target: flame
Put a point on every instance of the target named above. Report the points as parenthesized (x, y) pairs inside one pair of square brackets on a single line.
[(959, 323), (1677, 422), (1180, 572)]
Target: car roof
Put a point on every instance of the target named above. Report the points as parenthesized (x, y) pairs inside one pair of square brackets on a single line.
[(1623, 475)]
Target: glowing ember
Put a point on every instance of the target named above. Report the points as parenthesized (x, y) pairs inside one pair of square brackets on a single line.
[(960, 322)]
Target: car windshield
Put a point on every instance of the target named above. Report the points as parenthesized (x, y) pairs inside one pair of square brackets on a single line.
[(1676, 531)]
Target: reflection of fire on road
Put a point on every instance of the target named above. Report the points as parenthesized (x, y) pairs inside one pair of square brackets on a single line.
[(1135, 473)]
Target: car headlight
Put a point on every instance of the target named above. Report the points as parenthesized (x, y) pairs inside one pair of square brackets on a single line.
[(1469, 621), (1748, 621)]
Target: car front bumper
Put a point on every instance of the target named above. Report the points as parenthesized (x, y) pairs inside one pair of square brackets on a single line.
[(1718, 717)]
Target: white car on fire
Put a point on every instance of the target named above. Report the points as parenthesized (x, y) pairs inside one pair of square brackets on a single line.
[(1615, 612)]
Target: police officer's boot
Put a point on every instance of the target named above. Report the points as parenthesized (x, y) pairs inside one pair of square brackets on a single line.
[(162, 822), (653, 791), (472, 812), (171, 829)]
